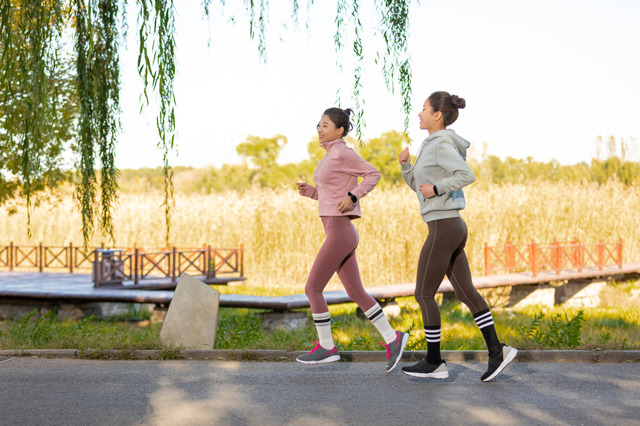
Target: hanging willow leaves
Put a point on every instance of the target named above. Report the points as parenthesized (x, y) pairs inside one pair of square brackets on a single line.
[(29, 124), (98, 85), (394, 26), (341, 11), (107, 107), (86, 185), (357, 72), (49, 96), (159, 67)]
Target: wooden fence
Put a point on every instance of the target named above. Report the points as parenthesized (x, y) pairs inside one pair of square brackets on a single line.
[(131, 264), (554, 256), (136, 264)]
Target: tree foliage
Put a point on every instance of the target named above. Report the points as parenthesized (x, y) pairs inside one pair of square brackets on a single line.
[(36, 98), (98, 86), (262, 152), (382, 153), (58, 97)]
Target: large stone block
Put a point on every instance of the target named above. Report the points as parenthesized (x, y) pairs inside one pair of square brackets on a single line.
[(192, 317), (580, 295), (532, 294)]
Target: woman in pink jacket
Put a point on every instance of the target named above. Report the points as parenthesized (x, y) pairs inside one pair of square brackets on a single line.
[(338, 195)]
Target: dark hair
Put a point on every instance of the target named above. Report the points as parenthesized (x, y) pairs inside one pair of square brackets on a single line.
[(448, 105), (340, 117)]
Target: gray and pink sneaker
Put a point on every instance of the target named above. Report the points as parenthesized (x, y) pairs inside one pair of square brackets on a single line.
[(319, 355), (395, 349)]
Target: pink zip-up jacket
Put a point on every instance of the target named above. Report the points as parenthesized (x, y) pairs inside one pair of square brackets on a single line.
[(336, 175)]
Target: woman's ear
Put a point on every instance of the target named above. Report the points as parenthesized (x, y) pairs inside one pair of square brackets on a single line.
[(437, 116)]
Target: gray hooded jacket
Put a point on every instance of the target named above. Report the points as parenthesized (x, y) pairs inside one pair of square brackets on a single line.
[(440, 162)]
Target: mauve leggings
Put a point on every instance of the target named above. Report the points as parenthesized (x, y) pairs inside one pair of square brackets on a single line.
[(443, 253), (337, 254)]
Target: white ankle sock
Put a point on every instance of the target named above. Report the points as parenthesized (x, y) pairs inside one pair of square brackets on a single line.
[(379, 320), (323, 325)]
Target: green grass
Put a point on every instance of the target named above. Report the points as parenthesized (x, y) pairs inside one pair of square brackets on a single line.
[(35, 331), (616, 325)]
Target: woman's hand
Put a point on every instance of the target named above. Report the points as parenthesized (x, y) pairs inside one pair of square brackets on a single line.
[(427, 190), (345, 204), (404, 156), (302, 188)]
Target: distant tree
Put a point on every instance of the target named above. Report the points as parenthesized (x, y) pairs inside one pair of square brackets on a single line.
[(382, 153), (262, 153), (315, 151)]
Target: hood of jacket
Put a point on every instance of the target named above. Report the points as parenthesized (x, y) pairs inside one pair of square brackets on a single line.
[(450, 135)]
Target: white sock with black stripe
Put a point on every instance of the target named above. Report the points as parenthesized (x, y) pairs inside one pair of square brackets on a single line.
[(323, 325), (379, 320), (484, 319)]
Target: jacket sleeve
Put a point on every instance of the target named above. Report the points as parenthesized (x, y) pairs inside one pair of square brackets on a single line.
[(407, 175), (355, 165), (450, 159), (311, 192)]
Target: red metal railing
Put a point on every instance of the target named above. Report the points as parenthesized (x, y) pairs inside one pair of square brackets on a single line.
[(133, 263), (555, 256)]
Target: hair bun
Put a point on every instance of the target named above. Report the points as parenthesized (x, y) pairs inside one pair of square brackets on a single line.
[(348, 111), (458, 102)]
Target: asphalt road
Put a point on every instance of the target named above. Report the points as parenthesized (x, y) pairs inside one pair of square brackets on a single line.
[(37, 391)]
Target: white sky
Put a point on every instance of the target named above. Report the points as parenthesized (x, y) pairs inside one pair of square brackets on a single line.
[(541, 78)]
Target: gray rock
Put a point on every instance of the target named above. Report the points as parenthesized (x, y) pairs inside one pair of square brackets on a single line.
[(192, 317)]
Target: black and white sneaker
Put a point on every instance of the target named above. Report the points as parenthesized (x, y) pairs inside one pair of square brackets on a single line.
[(424, 369), (498, 363)]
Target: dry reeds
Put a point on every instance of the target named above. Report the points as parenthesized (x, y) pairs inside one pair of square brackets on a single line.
[(282, 233)]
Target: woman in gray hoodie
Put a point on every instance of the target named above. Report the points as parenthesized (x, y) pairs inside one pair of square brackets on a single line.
[(438, 175)]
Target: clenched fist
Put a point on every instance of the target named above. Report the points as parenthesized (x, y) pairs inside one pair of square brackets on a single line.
[(404, 156), (345, 204), (427, 190), (302, 187)]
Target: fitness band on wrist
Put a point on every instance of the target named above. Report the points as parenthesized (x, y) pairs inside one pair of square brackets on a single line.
[(353, 197)]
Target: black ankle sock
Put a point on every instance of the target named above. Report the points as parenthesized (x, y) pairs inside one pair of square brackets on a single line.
[(433, 353), (432, 334), (491, 337), (484, 319)]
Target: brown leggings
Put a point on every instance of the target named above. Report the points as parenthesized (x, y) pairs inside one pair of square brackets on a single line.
[(337, 254), (443, 253)]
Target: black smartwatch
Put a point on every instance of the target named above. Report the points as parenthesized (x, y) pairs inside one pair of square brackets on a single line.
[(435, 190), (353, 197)]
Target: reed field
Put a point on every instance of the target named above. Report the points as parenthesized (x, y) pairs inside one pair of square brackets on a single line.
[(282, 233)]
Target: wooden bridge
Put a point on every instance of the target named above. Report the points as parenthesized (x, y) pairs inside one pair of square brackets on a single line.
[(158, 268), (56, 288), (79, 288)]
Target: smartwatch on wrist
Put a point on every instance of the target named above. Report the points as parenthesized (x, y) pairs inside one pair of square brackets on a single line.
[(353, 197), (435, 189)]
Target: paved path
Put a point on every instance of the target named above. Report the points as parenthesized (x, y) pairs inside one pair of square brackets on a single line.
[(69, 392)]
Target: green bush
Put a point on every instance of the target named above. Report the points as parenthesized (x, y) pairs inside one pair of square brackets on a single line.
[(556, 333)]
